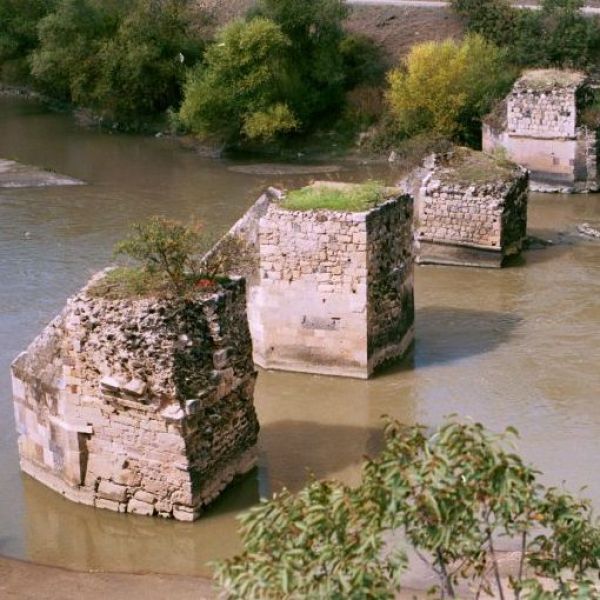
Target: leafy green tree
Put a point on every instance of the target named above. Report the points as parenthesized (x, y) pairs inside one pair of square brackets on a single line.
[(286, 68), (314, 28), (447, 87), (324, 542), (241, 88), (67, 64), (18, 29), (143, 66), (363, 63), (451, 495), (557, 35), (126, 60), (496, 20)]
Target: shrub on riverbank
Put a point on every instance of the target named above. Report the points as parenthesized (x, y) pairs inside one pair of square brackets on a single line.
[(124, 60), (450, 496), (558, 34), (284, 69), (241, 87), (447, 87)]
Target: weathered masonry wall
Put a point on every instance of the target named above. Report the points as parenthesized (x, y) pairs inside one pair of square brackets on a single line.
[(142, 406), (542, 113), (390, 281), (311, 306), (538, 126), (333, 291), (471, 224)]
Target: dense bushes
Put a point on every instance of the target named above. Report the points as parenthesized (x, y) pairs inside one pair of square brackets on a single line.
[(243, 84), (450, 496), (557, 35), (18, 35), (287, 67), (67, 65), (283, 69), (314, 29), (125, 60), (446, 87)]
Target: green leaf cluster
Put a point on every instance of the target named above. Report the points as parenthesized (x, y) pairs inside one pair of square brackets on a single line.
[(18, 35), (126, 60), (324, 542), (18, 25), (447, 87), (451, 495), (557, 35), (168, 252), (242, 84), (281, 70)]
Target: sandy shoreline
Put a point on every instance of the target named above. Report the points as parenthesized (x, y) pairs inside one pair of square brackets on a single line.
[(20, 580)]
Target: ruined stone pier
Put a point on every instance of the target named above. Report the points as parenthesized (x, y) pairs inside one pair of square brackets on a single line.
[(472, 210), (141, 405), (543, 125), (329, 292)]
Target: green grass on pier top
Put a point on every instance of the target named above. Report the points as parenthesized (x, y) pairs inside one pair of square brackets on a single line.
[(340, 197)]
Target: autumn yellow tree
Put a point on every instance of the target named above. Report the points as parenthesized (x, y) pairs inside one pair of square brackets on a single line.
[(446, 87)]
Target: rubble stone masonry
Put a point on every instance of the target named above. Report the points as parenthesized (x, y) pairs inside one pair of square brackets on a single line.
[(545, 113), (477, 223), (141, 405)]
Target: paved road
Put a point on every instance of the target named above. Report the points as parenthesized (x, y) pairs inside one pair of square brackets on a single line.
[(441, 3)]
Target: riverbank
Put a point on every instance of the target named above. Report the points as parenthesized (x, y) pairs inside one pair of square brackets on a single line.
[(20, 580), (394, 29)]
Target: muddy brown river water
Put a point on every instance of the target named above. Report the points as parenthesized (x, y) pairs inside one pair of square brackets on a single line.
[(519, 346)]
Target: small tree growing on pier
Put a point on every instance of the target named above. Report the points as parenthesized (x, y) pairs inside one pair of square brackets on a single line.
[(451, 495), (166, 249)]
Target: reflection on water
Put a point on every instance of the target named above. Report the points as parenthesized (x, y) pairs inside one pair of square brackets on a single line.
[(517, 346), (60, 532)]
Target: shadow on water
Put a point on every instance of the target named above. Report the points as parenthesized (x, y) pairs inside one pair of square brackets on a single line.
[(446, 334), (323, 450)]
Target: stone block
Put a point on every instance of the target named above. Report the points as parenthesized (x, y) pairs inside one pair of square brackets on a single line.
[(322, 257), (137, 507), (107, 504), (145, 497), (184, 513), (112, 491), (110, 384), (490, 215), (105, 445), (136, 387)]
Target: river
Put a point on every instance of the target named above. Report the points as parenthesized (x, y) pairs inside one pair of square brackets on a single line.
[(518, 346)]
